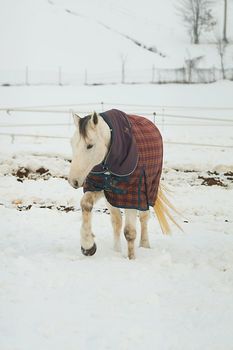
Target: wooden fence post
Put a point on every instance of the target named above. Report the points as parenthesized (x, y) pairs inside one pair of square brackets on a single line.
[(153, 74), (60, 76), (27, 76), (85, 77)]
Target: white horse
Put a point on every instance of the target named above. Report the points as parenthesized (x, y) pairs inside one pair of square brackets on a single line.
[(90, 145)]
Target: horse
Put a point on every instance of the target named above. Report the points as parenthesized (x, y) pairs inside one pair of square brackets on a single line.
[(119, 156)]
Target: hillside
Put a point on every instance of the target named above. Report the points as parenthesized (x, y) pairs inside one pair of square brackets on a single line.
[(98, 35)]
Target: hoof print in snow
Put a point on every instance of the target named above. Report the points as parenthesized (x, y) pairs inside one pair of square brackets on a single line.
[(89, 252)]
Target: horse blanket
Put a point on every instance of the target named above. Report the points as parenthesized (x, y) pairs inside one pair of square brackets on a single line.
[(130, 173)]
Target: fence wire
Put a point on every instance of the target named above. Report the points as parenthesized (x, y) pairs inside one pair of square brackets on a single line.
[(14, 135), (157, 113), (154, 114)]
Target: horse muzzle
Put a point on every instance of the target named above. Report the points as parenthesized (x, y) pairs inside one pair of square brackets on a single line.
[(74, 183)]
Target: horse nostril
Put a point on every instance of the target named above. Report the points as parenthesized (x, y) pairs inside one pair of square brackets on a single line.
[(73, 183)]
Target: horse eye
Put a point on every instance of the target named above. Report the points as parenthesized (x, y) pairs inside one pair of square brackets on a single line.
[(89, 146)]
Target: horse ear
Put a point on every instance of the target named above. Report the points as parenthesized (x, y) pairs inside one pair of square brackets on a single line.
[(94, 119), (76, 119)]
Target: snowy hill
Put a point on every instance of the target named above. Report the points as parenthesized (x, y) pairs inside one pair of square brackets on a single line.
[(97, 35)]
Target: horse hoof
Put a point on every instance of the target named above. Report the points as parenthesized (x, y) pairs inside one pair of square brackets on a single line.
[(89, 252)]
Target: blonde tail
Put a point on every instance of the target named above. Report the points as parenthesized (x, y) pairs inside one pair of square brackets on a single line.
[(162, 209)]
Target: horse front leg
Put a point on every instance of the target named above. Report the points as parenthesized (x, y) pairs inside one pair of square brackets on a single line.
[(88, 246), (130, 230), (116, 219)]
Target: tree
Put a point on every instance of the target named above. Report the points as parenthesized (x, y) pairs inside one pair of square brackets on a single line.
[(197, 17), (225, 23)]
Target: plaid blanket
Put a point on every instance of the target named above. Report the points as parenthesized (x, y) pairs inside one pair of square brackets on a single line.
[(130, 173)]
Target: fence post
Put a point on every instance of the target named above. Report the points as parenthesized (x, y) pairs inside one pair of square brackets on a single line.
[(163, 119), (59, 76), (123, 61), (153, 74), (27, 76), (123, 73), (213, 73), (184, 75), (189, 72), (85, 77), (154, 114)]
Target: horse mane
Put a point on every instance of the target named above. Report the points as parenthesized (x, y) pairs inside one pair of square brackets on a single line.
[(83, 122)]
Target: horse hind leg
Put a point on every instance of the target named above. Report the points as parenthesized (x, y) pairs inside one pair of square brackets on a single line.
[(130, 230), (116, 219), (144, 217)]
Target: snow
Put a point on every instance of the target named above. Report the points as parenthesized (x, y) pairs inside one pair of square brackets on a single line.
[(212, 101), (169, 297), (46, 36), (174, 296)]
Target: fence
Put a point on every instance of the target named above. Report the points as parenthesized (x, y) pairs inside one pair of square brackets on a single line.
[(164, 117), (154, 76)]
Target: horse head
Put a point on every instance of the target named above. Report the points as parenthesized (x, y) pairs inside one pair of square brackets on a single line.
[(90, 144)]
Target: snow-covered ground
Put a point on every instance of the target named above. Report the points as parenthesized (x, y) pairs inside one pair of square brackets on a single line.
[(175, 296)]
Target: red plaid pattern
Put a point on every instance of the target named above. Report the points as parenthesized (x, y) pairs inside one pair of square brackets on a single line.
[(139, 190)]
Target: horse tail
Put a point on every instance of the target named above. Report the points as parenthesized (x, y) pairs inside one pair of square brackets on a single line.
[(163, 208)]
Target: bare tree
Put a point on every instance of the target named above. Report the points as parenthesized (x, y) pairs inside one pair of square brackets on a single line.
[(197, 17), (225, 23)]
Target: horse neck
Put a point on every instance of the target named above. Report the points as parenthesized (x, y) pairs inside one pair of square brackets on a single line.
[(106, 132)]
